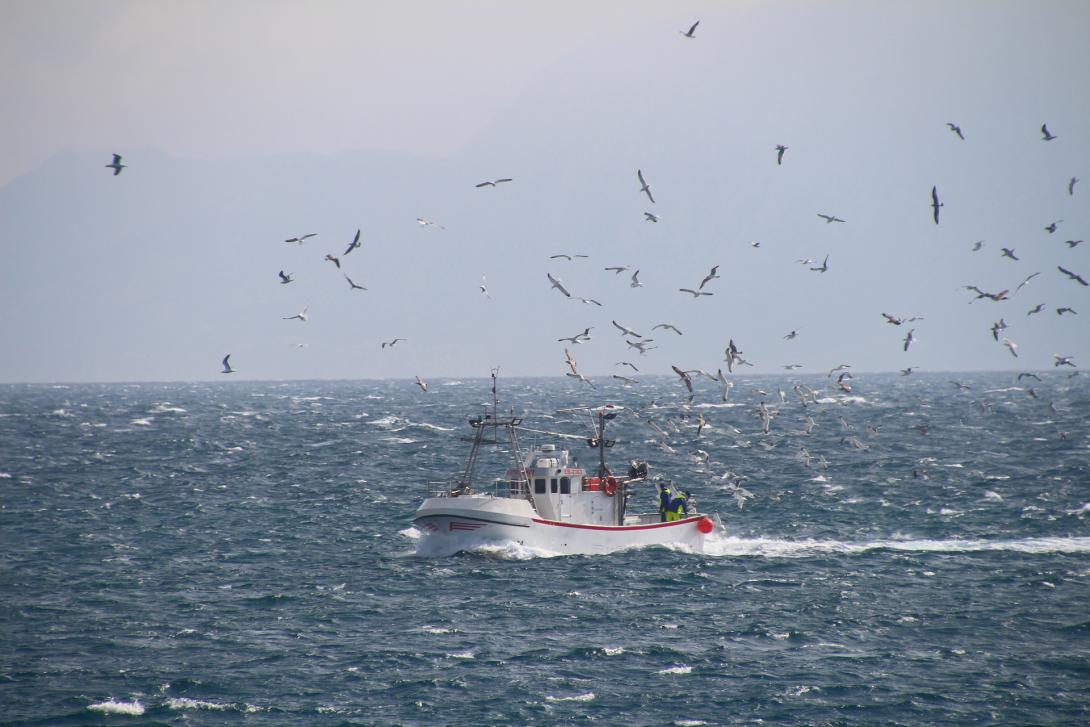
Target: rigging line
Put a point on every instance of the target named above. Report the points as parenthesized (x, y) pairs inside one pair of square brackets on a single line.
[(552, 434)]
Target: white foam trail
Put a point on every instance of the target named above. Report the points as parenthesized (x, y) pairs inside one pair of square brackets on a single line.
[(187, 703), (720, 545), (676, 670), (110, 706), (577, 698)]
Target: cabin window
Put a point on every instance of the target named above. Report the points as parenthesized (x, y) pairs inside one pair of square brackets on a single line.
[(552, 484), (539, 486), (565, 485)]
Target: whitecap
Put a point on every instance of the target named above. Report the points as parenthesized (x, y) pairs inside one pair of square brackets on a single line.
[(130, 709), (576, 698), (187, 703), (993, 495), (784, 636), (166, 407), (399, 440), (613, 650), (689, 722), (5, 475), (728, 546), (676, 670), (436, 630), (461, 655), (142, 422)]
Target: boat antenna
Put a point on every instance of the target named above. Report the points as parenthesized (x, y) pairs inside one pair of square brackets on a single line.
[(495, 371)]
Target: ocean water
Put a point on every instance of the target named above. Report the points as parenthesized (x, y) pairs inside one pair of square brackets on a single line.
[(242, 553)]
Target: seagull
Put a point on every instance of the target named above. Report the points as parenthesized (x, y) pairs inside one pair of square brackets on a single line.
[(227, 363), (829, 218), (935, 203), (1063, 360), (961, 386), (956, 129), (618, 269), (494, 182), (1046, 134), (754, 244), (354, 244), (558, 285), (484, 288), (1023, 283), (977, 245), (578, 337), (732, 355), (1051, 226), (1072, 243), (694, 293), (635, 280), (791, 336), (1035, 377), (1009, 252), (588, 301), (824, 266), (392, 343), (724, 385), (565, 256), (690, 33), (625, 379), (299, 240), (1071, 186), (301, 315), (641, 346), (333, 260), (685, 378), (841, 367), (780, 149), (1074, 276), (285, 279), (584, 379), (909, 338), (424, 222), (792, 367), (1061, 311), (667, 327), (625, 331), (1036, 309), (644, 186), (628, 364), (893, 319), (713, 274), (117, 166), (570, 360), (422, 384), (909, 370), (352, 285), (650, 217), (1001, 295), (998, 326), (1011, 346), (806, 261)]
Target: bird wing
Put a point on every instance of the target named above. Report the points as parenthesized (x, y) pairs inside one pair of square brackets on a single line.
[(693, 29)]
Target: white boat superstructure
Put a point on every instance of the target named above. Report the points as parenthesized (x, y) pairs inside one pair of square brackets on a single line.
[(548, 502)]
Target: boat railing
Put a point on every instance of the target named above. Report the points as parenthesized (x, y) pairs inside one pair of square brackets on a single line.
[(498, 488)]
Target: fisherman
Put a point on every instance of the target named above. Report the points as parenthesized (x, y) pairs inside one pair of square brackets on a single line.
[(666, 497), (679, 506)]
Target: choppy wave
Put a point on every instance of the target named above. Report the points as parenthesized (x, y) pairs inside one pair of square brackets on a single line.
[(776, 548)]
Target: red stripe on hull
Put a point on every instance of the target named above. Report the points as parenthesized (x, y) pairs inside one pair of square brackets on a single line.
[(619, 528)]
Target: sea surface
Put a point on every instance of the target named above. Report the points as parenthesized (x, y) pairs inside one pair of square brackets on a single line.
[(242, 553)]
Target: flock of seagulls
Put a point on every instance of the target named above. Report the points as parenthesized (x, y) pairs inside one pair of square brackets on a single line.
[(732, 355)]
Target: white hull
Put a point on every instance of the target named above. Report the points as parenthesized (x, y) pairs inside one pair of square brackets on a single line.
[(451, 524)]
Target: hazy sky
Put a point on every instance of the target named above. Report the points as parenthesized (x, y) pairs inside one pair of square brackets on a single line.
[(246, 123)]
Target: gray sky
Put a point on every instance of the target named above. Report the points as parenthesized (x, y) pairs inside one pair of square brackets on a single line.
[(245, 123)]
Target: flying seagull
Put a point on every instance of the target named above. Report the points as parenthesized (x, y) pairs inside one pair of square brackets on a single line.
[(791, 336), (570, 360), (422, 384), (424, 222), (668, 327), (228, 370), (909, 338), (354, 244), (625, 331), (829, 218), (635, 280), (1024, 282), (628, 364), (1063, 360), (588, 301), (1000, 325), (641, 346), (333, 260), (824, 266), (299, 240), (1008, 252), (301, 315), (1072, 243), (690, 33), (352, 285), (650, 217), (1001, 295), (1035, 309), (625, 380), (1071, 186), (558, 285), (780, 149), (713, 274), (1074, 276), (1061, 311), (1011, 346), (1046, 134), (117, 166), (977, 245), (484, 288), (392, 343), (285, 279), (956, 129), (1051, 226), (578, 337), (685, 378), (644, 186), (494, 182), (566, 256), (695, 293), (935, 203), (618, 269)]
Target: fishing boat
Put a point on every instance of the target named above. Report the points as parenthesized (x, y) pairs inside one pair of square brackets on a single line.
[(547, 502)]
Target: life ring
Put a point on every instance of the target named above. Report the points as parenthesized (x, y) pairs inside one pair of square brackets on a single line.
[(611, 486)]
